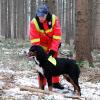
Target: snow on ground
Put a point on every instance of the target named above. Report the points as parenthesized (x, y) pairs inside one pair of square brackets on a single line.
[(89, 90), (16, 71)]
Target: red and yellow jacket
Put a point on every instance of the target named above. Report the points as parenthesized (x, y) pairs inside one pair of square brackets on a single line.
[(48, 38)]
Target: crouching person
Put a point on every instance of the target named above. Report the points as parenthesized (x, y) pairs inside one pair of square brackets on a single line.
[(45, 31)]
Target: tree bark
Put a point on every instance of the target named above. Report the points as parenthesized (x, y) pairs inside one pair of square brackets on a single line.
[(4, 18), (9, 19), (14, 19), (52, 6), (0, 17), (83, 31), (20, 19), (33, 8)]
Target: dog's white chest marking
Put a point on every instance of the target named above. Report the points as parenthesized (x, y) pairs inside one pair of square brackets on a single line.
[(36, 61), (37, 67)]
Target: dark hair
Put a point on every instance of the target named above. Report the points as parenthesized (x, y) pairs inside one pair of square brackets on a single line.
[(48, 18)]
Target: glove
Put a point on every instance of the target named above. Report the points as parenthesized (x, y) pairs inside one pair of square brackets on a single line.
[(51, 53), (51, 58)]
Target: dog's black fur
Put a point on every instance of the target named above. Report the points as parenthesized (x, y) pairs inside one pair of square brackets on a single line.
[(66, 67)]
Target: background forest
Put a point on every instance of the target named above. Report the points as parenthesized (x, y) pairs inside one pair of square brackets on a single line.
[(79, 21)]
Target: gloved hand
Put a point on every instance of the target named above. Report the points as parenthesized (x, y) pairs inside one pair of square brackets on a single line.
[(51, 53), (51, 58)]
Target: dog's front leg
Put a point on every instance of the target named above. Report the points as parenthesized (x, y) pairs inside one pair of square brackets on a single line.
[(41, 83), (49, 81)]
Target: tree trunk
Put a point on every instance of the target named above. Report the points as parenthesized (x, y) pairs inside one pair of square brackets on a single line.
[(73, 19), (20, 19), (14, 19), (83, 31), (33, 8), (4, 18), (25, 18), (0, 17), (9, 19), (52, 6), (67, 39)]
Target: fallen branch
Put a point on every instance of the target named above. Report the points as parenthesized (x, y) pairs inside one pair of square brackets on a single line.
[(34, 89), (94, 77)]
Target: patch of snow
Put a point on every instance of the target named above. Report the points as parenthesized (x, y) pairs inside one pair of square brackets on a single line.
[(32, 81), (90, 90), (16, 93), (1, 83), (2, 70)]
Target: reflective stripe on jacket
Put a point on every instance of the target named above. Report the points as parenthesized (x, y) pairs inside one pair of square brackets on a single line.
[(49, 39)]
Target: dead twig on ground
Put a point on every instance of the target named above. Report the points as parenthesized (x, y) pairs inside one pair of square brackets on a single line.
[(35, 89), (95, 77)]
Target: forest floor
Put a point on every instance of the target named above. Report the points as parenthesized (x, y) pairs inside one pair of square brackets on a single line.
[(17, 72)]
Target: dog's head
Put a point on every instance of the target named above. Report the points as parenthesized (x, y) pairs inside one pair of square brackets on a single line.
[(32, 51), (37, 51)]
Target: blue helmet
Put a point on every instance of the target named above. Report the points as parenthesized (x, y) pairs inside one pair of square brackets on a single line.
[(42, 10)]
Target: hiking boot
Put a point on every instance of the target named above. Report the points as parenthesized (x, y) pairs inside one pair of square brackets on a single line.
[(58, 86)]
